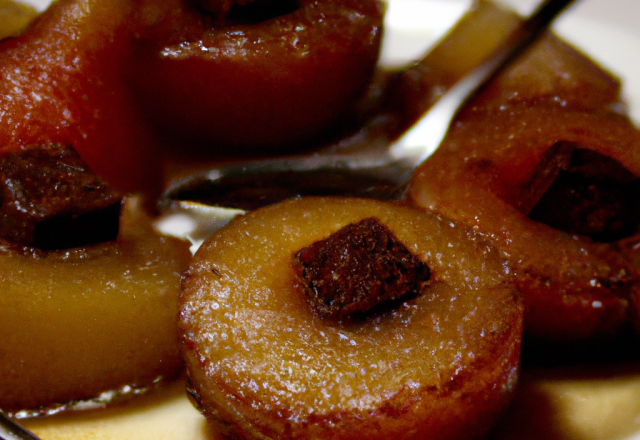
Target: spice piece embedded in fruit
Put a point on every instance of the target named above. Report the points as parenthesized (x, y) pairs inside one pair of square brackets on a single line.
[(358, 267), (51, 199)]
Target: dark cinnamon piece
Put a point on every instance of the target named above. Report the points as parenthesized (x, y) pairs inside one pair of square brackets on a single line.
[(50, 199), (593, 195), (358, 267)]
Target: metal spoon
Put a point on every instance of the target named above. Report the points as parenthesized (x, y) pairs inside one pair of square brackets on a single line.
[(381, 171)]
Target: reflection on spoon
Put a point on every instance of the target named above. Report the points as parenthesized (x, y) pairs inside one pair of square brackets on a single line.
[(10, 430)]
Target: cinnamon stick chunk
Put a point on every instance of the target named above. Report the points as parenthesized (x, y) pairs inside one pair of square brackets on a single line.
[(594, 195), (356, 268), (50, 199)]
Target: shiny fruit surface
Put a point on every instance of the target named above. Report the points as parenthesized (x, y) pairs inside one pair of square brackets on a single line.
[(78, 322), (61, 84), (266, 84), (512, 167), (264, 364)]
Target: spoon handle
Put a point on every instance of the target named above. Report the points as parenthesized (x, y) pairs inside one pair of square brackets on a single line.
[(10, 430), (429, 131)]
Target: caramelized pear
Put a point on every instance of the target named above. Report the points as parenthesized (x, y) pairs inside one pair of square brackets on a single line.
[(541, 165), (79, 322), (259, 75), (264, 362)]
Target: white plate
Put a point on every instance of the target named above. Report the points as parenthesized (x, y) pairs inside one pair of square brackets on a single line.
[(589, 408)]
